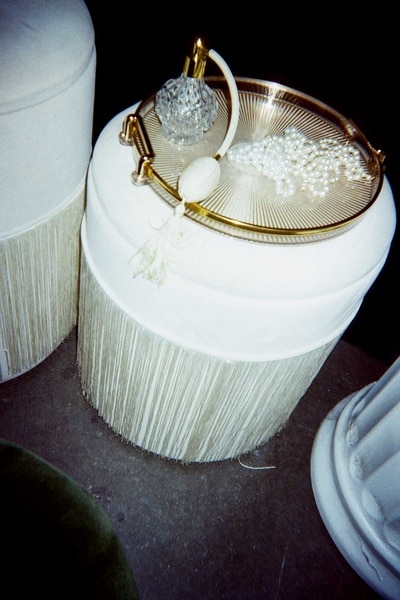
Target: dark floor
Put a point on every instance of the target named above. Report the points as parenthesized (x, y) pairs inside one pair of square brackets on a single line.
[(216, 531)]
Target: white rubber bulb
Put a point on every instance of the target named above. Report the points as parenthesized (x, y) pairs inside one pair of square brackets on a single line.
[(199, 179)]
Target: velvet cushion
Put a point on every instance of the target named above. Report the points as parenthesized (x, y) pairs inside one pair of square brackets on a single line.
[(56, 540)]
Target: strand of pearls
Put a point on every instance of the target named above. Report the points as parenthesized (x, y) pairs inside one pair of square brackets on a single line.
[(319, 163)]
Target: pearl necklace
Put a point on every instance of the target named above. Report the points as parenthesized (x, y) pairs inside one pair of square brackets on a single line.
[(319, 163)]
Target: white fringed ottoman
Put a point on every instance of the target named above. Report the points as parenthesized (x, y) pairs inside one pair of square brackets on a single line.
[(47, 74), (211, 362)]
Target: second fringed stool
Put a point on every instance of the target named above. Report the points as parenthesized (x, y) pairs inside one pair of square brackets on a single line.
[(47, 75)]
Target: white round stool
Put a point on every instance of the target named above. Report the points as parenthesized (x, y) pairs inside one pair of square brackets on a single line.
[(355, 469), (47, 74), (212, 362)]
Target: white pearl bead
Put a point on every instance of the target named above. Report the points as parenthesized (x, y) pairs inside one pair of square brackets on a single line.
[(318, 163)]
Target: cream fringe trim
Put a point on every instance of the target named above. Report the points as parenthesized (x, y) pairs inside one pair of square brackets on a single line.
[(39, 274), (176, 402)]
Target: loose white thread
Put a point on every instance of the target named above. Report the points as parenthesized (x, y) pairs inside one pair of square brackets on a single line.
[(255, 468)]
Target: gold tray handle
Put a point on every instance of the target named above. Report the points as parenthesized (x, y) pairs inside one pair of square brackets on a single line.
[(134, 133), (356, 135)]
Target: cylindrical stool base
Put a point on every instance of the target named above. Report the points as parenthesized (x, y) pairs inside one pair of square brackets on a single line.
[(176, 402), (39, 283)]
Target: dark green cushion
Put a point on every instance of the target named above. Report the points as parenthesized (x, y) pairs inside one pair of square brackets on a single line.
[(56, 541)]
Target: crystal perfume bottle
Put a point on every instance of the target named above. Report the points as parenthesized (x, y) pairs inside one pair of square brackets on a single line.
[(187, 106)]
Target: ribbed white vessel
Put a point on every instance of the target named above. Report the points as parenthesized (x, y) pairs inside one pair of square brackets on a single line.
[(47, 74), (355, 470)]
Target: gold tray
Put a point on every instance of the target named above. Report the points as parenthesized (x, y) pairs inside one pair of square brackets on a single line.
[(247, 205)]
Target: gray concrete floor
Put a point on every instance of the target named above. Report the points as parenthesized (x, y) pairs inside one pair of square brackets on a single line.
[(216, 531)]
